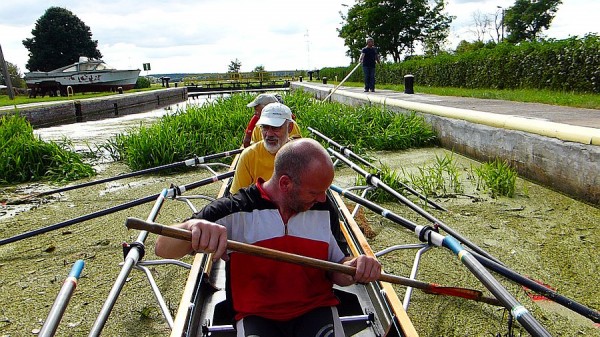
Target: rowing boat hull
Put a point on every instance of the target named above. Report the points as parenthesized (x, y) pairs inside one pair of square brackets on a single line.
[(366, 310)]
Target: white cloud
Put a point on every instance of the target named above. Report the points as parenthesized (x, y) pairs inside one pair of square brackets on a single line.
[(206, 35)]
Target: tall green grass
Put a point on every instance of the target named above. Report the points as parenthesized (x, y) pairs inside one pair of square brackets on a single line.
[(199, 130), (365, 127), (23, 157), (219, 126), (498, 177), (438, 179)]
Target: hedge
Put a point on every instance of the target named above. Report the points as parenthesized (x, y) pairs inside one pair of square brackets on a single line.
[(571, 65)]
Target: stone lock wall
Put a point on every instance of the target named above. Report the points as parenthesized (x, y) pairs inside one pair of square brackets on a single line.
[(66, 112)]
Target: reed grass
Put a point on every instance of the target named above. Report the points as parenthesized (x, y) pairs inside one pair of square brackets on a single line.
[(498, 177), (214, 127), (219, 126), (24, 158), (439, 179), (365, 127)]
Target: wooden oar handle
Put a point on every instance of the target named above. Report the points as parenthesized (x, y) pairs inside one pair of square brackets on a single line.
[(183, 234)]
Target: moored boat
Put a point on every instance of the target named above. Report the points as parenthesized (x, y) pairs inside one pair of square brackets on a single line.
[(87, 75)]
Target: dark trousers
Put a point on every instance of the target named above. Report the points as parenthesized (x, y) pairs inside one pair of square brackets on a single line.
[(369, 78)]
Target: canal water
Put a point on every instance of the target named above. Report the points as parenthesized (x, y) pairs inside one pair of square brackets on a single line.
[(94, 133)]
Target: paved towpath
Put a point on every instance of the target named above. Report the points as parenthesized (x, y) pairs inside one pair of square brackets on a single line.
[(546, 112)]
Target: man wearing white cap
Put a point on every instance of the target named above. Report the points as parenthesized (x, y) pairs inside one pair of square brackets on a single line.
[(257, 104), (257, 160), (254, 135)]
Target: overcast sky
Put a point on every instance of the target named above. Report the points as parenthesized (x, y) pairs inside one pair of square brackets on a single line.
[(196, 36)]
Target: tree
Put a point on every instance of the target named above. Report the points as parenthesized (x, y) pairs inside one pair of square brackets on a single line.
[(398, 26), (59, 39), (526, 19), (16, 77), (234, 66)]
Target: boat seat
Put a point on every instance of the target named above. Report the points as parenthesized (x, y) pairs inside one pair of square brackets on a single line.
[(351, 314)]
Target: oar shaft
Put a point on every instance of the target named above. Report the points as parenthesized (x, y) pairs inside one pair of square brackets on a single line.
[(182, 234), (488, 263), (518, 311), (62, 300), (539, 288), (437, 222), (344, 80), (343, 149), (110, 210), (189, 162)]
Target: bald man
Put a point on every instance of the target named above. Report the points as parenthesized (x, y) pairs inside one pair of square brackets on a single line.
[(288, 212)]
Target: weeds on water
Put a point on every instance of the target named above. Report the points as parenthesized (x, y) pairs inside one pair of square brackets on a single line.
[(439, 179), (24, 157), (498, 177)]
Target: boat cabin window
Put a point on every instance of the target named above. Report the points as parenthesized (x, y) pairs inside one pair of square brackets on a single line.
[(87, 66), (103, 66), (72, 68)]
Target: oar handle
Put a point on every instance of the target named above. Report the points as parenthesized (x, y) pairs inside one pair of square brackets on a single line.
[(183, 234), (186, 235)]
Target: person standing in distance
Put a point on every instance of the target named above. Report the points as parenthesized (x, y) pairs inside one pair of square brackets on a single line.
[(369, 57)]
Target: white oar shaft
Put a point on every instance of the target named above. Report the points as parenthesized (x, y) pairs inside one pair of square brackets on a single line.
[(344, 80)]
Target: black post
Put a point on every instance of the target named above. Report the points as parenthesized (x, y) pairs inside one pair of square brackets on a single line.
[(409, 81), (324, 80), (300, 77), (78, 114)]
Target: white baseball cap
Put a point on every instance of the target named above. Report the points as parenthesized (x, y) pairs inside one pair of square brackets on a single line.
[(275, 114)]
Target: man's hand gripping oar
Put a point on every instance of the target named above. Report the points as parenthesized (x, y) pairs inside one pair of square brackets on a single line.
[(430, 288)]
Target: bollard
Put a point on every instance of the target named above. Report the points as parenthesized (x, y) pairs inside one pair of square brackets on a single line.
[(310, 73), (324, 80), (300, 78), (409, 81), (78, 113), (120, 90)]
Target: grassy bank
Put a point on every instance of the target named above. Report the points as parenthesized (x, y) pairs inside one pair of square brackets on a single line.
[(24, 99), (589, 101), (575, 100)]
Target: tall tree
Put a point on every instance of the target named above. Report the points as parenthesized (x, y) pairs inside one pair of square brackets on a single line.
[(59, 38), (398, 26), (526, 19)]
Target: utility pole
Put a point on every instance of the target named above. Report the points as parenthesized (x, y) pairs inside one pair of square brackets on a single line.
[(11, 93), (501, 23), (307, 50)]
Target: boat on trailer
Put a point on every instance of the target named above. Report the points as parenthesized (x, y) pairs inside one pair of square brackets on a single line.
[(86, 75)]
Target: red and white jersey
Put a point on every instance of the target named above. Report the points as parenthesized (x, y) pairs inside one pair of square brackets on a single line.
[(268, 288)]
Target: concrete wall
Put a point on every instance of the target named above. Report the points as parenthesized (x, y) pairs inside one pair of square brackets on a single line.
[(570, 167), (66, 112)]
